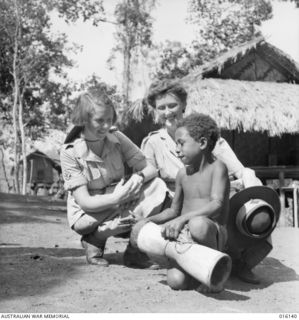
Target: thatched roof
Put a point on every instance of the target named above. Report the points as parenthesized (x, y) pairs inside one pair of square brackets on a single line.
[(273, 55), (39, 154), (247, 105), (242, 105)]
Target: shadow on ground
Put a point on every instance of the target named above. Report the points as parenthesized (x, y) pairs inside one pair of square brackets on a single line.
[(28, 212), (269, 271), (31, 271)]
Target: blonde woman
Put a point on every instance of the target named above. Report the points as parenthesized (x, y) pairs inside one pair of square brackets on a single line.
[(100, 202)]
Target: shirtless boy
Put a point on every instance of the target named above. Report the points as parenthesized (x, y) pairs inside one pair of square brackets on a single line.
[(199, 209)]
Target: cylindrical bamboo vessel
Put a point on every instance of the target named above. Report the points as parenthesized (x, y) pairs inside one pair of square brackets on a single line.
[(209, 266)]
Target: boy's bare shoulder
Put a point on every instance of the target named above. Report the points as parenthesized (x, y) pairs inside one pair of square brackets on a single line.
[(220, 167)]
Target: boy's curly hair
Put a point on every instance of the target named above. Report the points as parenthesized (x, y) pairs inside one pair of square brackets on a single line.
[(201, 125), (162, 87)]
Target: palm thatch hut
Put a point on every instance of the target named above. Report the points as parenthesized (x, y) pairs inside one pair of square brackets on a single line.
[(259, 119), (252, 92), (264, 115), (256, 60), (261, 102), (43, 170), (247, 105)]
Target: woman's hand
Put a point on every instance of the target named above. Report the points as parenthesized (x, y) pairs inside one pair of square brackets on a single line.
[(128, 192), (171, 229), (135, 182)]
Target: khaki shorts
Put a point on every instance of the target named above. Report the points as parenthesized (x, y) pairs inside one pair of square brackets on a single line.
[(186, 237), (107, 223)]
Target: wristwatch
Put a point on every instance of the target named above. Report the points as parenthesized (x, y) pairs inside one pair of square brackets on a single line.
[(141, 174)]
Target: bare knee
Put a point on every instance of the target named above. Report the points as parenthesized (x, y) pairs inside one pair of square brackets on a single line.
[(84, 228), (176, 279), (203, 231)]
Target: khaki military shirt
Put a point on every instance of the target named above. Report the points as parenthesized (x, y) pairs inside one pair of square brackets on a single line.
[(80, 166), (160, 150)]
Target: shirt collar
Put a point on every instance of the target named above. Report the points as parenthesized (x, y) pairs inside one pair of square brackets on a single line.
[(168, 141), (82, 150), (164, 134)]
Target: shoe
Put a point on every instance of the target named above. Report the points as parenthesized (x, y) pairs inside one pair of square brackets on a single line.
[(246, 275), (94, 251), (98, 261), (134, 258)]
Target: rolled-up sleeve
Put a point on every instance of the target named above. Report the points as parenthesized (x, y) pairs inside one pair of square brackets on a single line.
[(131, 153), (223, 152), (71, 171), (149, 151)]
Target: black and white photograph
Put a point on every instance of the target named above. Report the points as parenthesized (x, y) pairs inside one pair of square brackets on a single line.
[(149, 162)]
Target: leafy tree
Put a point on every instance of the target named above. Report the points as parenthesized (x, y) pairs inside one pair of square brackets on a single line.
[(134, 31), (223, 24), (170, 60), (28, 56), (219, 25)]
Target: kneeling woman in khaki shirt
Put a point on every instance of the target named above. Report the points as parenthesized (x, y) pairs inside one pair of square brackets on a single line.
[(100, 203)]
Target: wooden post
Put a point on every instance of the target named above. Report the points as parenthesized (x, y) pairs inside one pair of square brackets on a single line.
[(295, 206), (282, 199)]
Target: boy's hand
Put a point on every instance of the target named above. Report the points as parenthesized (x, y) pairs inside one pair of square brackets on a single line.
[(129, 220), (171, 229)]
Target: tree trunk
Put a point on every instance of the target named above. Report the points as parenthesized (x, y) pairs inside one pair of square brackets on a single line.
[(126, 75), (127, 62), (4, 169), (23, 141), (15, 122), (15, 100), (16, 153)]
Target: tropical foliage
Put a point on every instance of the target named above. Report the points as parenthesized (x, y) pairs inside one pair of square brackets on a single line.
[(133, 34), (219, 25), (29, 55)]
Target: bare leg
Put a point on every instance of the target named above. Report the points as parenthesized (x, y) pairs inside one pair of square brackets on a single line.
[(177, 279), (204, 231)]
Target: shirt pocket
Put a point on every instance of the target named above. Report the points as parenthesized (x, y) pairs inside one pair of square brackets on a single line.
[(95, 175), (116, 166)]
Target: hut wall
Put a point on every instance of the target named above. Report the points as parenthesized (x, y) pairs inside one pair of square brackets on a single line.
[(257, 149), (39, 170), (228, 135), (286, 149), (244, 69), (251, 148), (267, 72), (252, 67)]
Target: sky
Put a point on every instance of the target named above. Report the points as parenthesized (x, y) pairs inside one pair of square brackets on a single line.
[(170, 23), (98, 41)]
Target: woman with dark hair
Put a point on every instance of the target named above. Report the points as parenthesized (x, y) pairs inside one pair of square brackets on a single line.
[(169, 100)]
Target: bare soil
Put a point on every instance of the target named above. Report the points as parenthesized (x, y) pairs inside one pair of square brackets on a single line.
[(43, 269)]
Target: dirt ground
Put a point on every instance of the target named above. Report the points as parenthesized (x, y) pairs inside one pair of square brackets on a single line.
[(43, 269)]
